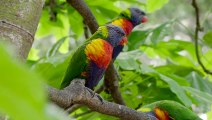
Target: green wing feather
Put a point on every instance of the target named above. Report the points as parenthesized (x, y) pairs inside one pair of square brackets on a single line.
[(76, 66), (78, 63), (174, 109)]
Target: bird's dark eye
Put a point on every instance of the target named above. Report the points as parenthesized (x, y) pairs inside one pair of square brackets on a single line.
[(117, 31), (138, 11), (142, 13)]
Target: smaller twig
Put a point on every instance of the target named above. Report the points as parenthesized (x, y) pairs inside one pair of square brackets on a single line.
[(85, 27), (74, 108), (81, 114), (196, 36), (53, 12), (112, 85), (139, 106)]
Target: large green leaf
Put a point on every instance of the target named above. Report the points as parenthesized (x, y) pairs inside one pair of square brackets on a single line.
[(128, 60), (198, 82), (201, 95), (160, 31), (75, 21), (174, 86), (58, 28), (136, 39), (52, 68), (208, 38), (153, 5), (21, 91), (177, 89)]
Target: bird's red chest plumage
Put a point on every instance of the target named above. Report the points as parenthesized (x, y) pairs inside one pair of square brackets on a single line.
[(100, 52)]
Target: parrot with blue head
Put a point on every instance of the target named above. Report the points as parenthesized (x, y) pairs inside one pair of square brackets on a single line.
[(127, 20), (90, 60)]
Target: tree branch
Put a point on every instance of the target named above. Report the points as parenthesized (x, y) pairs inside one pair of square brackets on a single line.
[(76, 93), (112, 79), (196, 36), (77, 106), (112, 84), (86, 13)]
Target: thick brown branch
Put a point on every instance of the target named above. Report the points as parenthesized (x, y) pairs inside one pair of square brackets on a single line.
[(76, 93), (77, 106), (86, 13), (112, 84), (196, 36)]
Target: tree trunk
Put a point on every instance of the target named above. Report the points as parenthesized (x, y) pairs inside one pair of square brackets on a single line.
[(18, 23)]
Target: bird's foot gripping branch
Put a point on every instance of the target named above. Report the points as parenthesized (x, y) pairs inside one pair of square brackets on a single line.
[(77, 93)]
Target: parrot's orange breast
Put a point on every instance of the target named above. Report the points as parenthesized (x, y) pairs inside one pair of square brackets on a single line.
[(100, 52)]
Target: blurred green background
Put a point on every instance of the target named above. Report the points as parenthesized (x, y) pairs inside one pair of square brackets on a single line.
[(159, 62)]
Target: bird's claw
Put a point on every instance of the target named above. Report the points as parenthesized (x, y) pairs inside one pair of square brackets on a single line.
[(100, 98), (93, 94)]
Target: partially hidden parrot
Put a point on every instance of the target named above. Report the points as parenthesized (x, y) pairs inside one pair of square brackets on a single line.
[(169, 110), (127, 20), (90, 60)]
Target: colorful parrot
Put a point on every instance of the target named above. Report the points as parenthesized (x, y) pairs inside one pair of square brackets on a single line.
[(90, 61), (170, 110), (127, 20)]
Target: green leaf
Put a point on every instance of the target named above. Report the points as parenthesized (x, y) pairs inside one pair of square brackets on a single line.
[(174, 86), (175, 69), (75, 21), (22, 94), (153, 5), (208, 38), (52, 68), (177, 89), (201, 95), (128, 60), (58, 28), (136, 39), (128, 64), (157, 32), (198, 82), (54, 49)]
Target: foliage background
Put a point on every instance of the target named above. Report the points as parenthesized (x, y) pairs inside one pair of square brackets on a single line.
[(158, 63)]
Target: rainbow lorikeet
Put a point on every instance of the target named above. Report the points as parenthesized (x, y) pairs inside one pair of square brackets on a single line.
[(127, 20), (170, 110), (90, 60)]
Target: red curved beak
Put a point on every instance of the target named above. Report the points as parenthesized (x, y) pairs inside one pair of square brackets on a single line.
[(144, 19)]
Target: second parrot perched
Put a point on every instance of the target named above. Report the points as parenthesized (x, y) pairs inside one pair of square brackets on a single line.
[(90, 60), (127, 20), (170, 110)]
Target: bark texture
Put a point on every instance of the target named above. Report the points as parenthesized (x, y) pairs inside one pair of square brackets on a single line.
[(18, 23)]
